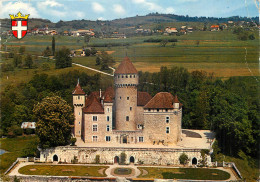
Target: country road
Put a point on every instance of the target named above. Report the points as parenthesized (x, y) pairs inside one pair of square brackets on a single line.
[(93, 69)]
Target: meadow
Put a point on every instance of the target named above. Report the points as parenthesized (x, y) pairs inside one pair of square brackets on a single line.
[(219, 52)]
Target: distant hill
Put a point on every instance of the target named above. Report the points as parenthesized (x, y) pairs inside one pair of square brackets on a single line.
[(112, 25)]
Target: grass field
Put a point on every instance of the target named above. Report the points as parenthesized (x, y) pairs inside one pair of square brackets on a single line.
[(185, 173), (14, 148), (64, 170)]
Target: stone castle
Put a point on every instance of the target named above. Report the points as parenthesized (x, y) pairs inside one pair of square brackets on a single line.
[(124, 115), (122, 119)]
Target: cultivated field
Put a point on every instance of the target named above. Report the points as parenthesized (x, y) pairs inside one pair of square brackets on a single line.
[(218, 52)]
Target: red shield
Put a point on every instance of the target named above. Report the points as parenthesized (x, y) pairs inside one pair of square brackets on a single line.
[(19, 28)]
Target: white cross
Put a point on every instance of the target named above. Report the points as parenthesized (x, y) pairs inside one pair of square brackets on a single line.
[(19, 29)]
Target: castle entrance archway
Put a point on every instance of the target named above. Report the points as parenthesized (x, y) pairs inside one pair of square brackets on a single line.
[(194, 161), (132, 159), (55, 158), (116, 159)]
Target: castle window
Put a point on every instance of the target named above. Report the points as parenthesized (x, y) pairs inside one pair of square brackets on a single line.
[(94, 128), (158, 110), (149, 110), (126, 76), (94, 118), (141, 139), (94, 138), (130, 76), (78, 97), (118, 76), (79, 113), (108, 138), (167, 119), (127, 118), (107, 127), (120, 97), (130, 108), (134, 76), (167, 129), (127, 98), (79, 122), (107, 109), (107, 118), (166, 110), (122, 76)]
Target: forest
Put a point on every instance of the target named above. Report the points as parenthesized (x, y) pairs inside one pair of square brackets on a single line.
[(229, 107)]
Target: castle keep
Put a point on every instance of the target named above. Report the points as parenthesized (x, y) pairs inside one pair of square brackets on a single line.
[(122, 119)]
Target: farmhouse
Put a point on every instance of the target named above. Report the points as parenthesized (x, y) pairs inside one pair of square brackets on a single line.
[(122, 119)]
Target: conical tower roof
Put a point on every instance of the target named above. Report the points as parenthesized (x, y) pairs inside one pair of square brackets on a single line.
[(78, 90), (126, 67)]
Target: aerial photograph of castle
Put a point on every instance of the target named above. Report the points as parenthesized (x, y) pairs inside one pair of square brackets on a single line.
[(125, 91)]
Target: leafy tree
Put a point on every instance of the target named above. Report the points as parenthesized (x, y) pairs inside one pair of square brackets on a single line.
[(251, 37), (28, 61), (54, 117), (47, 52), (243, 36), (63, 59), (106, 60), (93, 51), (22, 50), (164, 42), (87, 52), (86, 38), (6, 67), (183, 159), (45, 67), (17, 60), (98, 60), (53, 45)]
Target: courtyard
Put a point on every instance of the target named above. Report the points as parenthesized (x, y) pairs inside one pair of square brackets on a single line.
[(23, 169)]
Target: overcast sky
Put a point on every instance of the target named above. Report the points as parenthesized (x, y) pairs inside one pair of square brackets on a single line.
[(56, 10)]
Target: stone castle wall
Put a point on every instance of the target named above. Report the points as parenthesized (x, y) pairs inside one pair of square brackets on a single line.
[(148, 156)]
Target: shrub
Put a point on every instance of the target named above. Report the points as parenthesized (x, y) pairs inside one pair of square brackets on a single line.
[(251, 37), (183, 159), (45, 67), (73, 141), (28, 131)]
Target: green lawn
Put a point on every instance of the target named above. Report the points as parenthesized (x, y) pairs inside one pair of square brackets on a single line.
[(14, 148), (64, 170), (184, 173)]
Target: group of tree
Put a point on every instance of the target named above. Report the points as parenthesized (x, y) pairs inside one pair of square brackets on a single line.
[(243, 34), (230, 108), (18, 101), (105, 60), (90, 52)]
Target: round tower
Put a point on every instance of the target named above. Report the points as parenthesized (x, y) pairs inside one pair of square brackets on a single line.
[(78, 103), (125, 81)]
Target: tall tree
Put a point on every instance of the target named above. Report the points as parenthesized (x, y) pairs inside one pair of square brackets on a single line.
[(17, 60), (53, 45), (28, 61), (54, 117)]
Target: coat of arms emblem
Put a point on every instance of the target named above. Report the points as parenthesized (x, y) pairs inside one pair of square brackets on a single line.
[(19, 25)]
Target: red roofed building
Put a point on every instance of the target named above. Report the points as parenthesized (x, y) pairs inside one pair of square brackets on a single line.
[(122, 114)]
